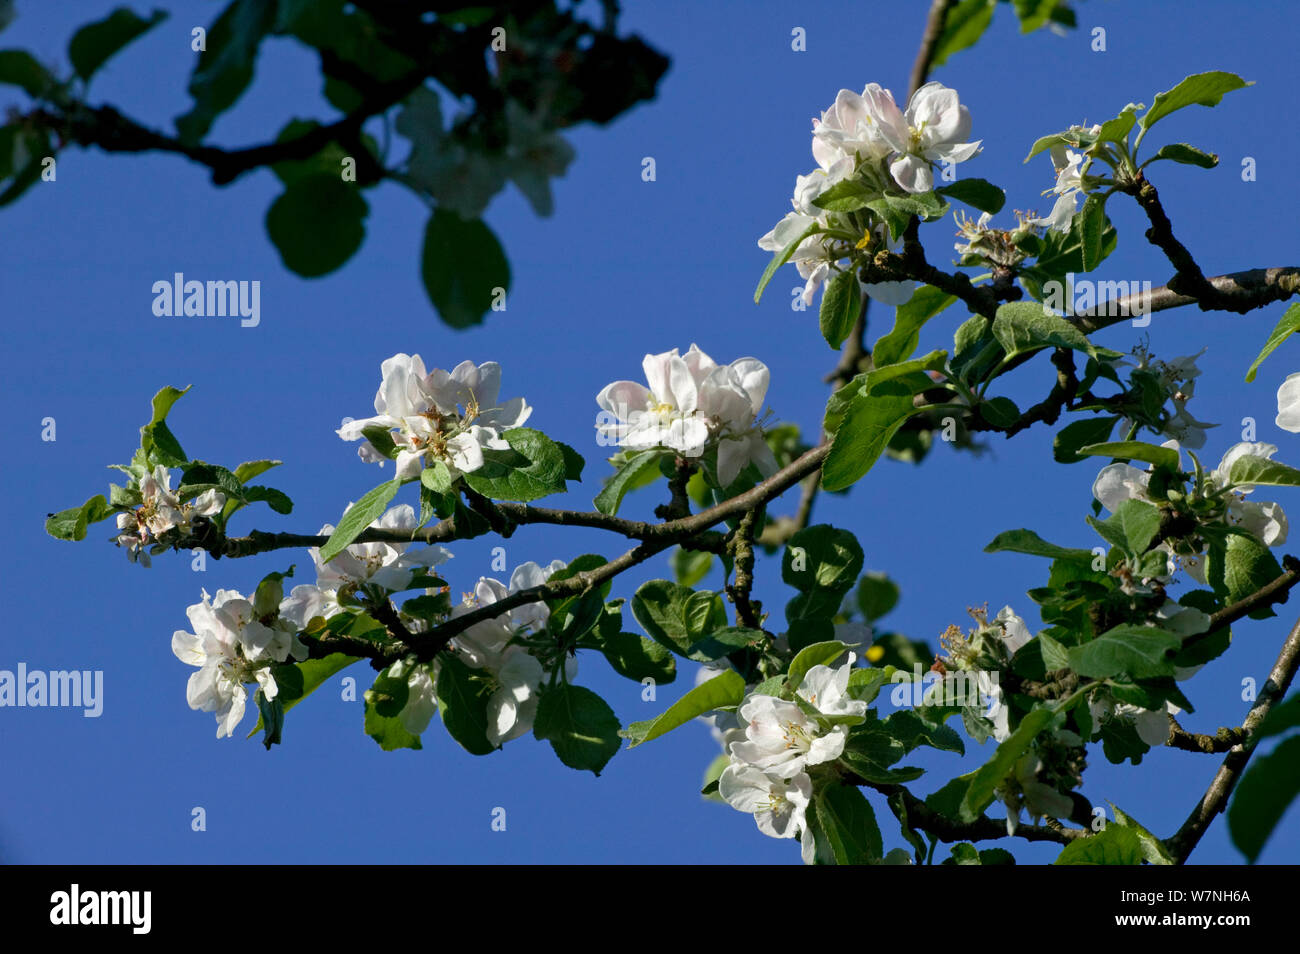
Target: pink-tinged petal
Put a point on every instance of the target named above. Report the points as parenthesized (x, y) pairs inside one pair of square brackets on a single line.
[(731, 459), (699, 363), (888, 118)]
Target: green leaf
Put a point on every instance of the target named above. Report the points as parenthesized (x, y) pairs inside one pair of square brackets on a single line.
[(317, 224), (818, 654), (581, 727), (463, 695), (1024, 326), (1113, 845), (20, 68), (847, 819), (225, 67), (1266, 791), (822, 557), (1186, 154), (977, 193), (870, 423), (637, 658), (251, 468), (1131, 528), (273, 498), (1153, 849), (361, 515), (389, 732), (964, 25), (781, 257), (1250, 469), (1141, 652), (1000, 411), (1116, 130), (899, 345), (1283, 717), (678, 617), (1026, 541), (847, 195), (877, 595), (1092, 226), (1203, 89), (462, 267), (94, 43), (535, 468), (1081, 433), (841, 303), (725, 689), (630, 475), (296, 681), (989, 775), (1033, 13), (1166, 457), (690, 566), (71, 524), (1287, 325)]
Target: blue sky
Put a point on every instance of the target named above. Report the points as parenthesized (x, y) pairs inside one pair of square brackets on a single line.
[(624, 267)]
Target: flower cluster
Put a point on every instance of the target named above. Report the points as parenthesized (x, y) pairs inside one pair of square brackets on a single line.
[(436, 416), (768, 773), (161, 511), (384, 567), (507, 651), (230, 646), (866, 140), (692, 405), (1216, 499)]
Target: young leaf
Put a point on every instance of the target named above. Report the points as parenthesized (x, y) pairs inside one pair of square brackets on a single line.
[(361, 515), (1204, 89), (781, 257), (1287, 325), (841, 303), (725, 689)]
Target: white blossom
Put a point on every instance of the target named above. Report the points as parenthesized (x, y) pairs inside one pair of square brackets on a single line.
[(691, 404), (451, 416)]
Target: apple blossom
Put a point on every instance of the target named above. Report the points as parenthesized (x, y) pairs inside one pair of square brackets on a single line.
[(389, 566), (161, 511), (692, 404), (933, 129), (515, 675), (229, 647), (828, 690), (781, 739), (779, 805), (451, 416)]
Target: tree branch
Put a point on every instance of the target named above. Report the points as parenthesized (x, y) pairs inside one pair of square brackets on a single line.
[(1215, 799), (934, 24)]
